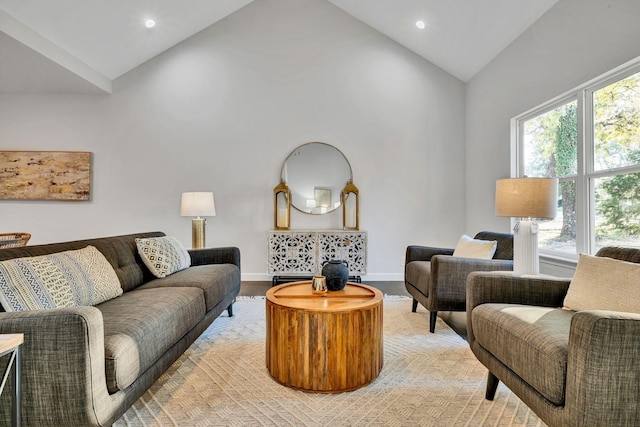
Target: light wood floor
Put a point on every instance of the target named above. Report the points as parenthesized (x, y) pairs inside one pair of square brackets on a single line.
[(456, 320)]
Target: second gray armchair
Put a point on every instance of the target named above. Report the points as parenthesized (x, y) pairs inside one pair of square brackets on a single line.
[(437, 280)]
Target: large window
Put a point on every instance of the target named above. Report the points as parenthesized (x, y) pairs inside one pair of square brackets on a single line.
[(590, 140)]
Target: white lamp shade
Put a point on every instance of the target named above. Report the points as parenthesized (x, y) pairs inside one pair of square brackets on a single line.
[(527, 197), (197, 204)]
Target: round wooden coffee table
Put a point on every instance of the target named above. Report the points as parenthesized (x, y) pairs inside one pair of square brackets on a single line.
[(324, 344)]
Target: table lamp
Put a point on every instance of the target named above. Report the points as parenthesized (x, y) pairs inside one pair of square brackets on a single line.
[(526, 198), (197, 204)]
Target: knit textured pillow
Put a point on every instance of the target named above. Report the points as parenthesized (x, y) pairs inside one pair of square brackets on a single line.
[(468, 247), (63, 279), (601, 283), (163, 255)]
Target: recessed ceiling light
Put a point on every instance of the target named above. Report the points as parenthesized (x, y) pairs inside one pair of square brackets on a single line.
[(420, 24), (149, 23)]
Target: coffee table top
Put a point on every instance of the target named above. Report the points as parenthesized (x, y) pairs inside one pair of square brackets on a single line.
[(299, 295)]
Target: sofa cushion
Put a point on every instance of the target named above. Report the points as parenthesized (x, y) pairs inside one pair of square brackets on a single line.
[(601, 283), (475, 248), (65, 279), (216, 281), (418, 274), (532, 341), (141, 325), (163, 255)]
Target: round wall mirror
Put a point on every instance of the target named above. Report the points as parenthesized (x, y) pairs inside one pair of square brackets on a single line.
[(316, 173)]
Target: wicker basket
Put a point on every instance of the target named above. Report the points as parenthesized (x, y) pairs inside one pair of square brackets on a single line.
[(13, 240)]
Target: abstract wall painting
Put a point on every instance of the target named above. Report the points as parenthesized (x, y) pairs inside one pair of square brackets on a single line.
[(45, 175)]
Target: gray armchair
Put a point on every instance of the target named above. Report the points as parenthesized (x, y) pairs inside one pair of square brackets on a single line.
[(572, 368), (438, 281)]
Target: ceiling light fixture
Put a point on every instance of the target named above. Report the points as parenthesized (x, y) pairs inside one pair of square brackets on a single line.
[(150, 23), (420, 24)]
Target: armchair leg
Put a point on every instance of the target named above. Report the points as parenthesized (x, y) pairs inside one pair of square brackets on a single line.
[(433, 315), (492, 386), (414, 305), (230, 310)]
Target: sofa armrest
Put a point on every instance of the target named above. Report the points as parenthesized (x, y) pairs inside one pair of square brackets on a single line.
[(509, 288), (424, 253), (602, 368), (63, 361), (226, 255), (449, 274)]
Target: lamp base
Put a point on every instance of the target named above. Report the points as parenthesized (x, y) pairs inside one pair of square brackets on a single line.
[(525, 248), (197, 233)]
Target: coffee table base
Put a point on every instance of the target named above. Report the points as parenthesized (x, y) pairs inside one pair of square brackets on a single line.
[(324, 352)]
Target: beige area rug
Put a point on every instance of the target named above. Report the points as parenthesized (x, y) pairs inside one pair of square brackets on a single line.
[(427, 380)]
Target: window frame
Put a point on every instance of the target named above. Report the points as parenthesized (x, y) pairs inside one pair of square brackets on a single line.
[(586, 173)]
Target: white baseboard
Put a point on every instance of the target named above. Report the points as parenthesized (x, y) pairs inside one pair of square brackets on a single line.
[(383, 277), (256, 277), (375, 277)]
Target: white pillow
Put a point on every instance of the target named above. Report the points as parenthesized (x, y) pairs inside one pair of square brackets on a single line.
[(163, 255), (63, 279), (601, 283), (474, 248)]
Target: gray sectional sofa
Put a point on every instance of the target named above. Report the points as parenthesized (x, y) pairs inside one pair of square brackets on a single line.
[(86, 365)]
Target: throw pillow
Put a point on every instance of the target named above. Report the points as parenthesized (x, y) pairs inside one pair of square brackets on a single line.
[(163, 255), (63, 279), (601, 283), (474, 248)]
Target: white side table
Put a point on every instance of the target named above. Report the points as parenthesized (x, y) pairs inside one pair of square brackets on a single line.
[(10, 345)]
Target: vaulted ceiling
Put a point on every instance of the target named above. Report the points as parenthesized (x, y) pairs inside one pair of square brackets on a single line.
[(101, 40)]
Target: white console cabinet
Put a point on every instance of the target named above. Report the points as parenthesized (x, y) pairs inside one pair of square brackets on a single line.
[(304, 252)]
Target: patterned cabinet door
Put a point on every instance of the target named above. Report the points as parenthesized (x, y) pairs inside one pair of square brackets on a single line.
[(344, 245), (292, 252)]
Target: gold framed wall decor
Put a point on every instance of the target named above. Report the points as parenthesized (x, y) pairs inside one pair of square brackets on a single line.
[(350, 207), (45, 175), (281, 206)]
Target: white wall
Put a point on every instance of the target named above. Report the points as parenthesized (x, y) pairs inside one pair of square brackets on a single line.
[(222, 110), (574, 42)]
